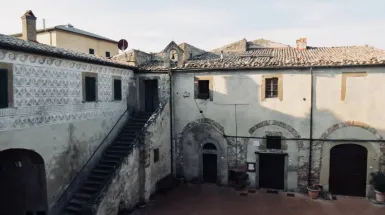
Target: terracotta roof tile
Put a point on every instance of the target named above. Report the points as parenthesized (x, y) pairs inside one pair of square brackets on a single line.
[(12, 43), (283, 57)]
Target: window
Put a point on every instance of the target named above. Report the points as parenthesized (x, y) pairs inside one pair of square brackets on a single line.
[(156, 155), (3, 88), (271, 90), (273, 142), (203, 89), (117, 89), (92, 51), (108, 54), (90, 89)]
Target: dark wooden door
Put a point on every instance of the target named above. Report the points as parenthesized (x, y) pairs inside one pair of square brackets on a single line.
[(3, 88), (272, 171), (348, 170), (150, 95), (210, 168)]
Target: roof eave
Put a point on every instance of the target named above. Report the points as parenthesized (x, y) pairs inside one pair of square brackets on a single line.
[(59, 55), (263, 68)]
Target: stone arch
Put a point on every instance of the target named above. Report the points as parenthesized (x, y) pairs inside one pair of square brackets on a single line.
[(215, 136), (321, 165), (302, 163), (23, 180)]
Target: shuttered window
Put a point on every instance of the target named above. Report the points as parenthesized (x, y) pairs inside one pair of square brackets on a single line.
[(90, 89), (3, 88), (271, 88), (117, 89), (203, 89)]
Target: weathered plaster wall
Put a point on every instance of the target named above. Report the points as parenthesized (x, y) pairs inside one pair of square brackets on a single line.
[(237, 107), (159, 137), (124, 190), (49, 117)]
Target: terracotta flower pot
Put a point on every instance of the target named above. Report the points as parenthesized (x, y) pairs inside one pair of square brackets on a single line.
[(313, 192), (380, 197)]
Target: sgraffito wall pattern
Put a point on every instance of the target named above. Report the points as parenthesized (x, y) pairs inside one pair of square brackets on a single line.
[(49, 90)]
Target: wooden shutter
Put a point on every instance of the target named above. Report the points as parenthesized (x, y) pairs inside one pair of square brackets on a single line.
[(3, 88), (90, 89), (117, 89)]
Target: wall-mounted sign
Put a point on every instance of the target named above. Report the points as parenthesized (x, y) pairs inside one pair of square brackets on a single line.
[(256, 143), (251, 167)]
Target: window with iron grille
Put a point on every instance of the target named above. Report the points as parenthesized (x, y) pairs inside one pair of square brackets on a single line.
[(90, 89), (3, 88), (273, 142), (117, 89), (156, 155), (203, 89), (91, 51), (271, 89), (108, 54)]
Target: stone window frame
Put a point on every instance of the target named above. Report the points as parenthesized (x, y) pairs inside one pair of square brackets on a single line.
[(196, 86), (114, 77), (9, 68), (280, 86), (89, 74), (345, 76)]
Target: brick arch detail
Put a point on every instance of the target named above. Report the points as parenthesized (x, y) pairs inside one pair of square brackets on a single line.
[(180, 138), (318, 145), (303, 163)]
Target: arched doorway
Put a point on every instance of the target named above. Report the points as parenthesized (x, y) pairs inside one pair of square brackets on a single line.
[(348, 165), (209, 163), (22, 183)]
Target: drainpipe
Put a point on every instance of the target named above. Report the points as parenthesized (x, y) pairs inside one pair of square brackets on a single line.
[(311, 127), (171, 131)]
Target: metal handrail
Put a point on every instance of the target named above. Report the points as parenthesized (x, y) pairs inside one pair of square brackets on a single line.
[(77, 175)]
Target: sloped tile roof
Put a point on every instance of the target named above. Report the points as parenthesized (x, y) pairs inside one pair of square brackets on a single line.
[(283, 57), (12, 43)]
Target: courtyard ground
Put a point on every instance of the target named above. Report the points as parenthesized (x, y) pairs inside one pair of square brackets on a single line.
[(213, 200)]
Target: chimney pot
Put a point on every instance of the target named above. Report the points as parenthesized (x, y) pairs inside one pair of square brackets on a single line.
[(301, 44), (29, 26)]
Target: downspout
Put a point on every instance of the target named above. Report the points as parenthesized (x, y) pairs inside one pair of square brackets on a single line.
[(171, 131), (311, 127)]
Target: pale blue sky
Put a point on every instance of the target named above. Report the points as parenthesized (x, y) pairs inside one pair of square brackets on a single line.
[(207, 24)]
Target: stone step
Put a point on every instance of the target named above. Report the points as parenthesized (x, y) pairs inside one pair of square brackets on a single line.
[(74, 209)]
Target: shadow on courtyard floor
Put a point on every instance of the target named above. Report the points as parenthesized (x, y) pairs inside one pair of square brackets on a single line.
[(212, 200)]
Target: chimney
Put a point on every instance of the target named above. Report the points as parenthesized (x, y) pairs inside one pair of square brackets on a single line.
[(301, 44), (29, 26)]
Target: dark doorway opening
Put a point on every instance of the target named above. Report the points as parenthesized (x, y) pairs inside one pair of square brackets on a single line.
[(22, 182), (210, 163), (150, 95), (272, 171), (348, 166)]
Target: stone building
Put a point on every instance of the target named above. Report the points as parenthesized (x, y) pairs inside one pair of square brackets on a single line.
[(81, 133), (276, 112), (68, 37)]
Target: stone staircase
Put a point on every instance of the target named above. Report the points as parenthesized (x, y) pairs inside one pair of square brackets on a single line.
[(112, 157)]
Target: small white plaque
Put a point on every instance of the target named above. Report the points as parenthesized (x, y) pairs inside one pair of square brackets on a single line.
[(255, 143), (251, 167)]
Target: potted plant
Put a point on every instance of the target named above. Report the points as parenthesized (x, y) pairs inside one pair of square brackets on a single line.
[(378, 182), (313, 191)]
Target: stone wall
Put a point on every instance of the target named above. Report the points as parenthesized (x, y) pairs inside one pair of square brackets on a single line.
[(47, 114)]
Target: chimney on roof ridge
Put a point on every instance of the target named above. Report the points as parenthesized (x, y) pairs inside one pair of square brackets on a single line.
[(29, 26), (221, 55), (301, 44)]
